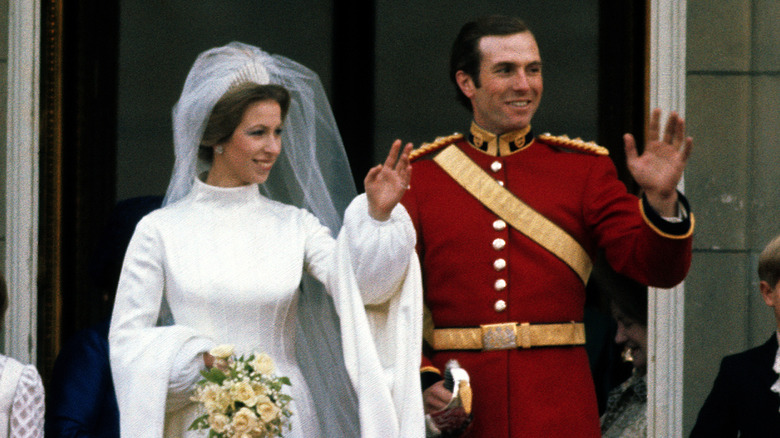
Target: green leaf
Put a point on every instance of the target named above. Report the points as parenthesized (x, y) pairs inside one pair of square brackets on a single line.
[(201, 422), (214, 375)]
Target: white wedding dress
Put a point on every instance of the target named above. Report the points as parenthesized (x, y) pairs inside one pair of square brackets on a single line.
[(228, 262)]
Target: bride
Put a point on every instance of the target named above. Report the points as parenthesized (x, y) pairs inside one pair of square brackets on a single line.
[(242, 254)]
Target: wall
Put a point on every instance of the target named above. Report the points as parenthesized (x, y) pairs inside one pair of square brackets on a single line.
[(733, 111)]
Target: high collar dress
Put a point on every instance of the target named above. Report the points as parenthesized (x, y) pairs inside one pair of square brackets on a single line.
[(228, 263)]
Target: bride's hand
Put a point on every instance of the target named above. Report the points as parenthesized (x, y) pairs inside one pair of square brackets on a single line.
[(212, 362), (386, 183)]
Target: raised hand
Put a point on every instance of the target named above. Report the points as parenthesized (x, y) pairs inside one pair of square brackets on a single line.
[(660, 167), (386, 183)]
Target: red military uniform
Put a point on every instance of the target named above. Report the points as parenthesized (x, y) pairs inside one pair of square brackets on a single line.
[(477, 270)]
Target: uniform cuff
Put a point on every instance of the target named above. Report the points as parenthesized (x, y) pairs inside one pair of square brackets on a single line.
[(676, 228), (429, 376)]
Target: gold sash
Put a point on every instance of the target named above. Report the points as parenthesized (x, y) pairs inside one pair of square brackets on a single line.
[(515, 212)]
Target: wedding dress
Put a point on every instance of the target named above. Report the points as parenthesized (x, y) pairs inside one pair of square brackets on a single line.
[(228, 263)]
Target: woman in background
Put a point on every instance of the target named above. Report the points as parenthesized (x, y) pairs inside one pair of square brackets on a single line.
[(625, 414)]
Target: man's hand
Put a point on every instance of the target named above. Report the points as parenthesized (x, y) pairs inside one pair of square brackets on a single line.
[(436, 397), (660, 167)]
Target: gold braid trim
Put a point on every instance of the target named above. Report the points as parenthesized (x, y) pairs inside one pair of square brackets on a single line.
[(574, 143), (429, 369), (437, 144)]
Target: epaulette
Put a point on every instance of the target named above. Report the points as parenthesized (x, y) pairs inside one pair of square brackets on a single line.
[(574, 144), (437, 144)]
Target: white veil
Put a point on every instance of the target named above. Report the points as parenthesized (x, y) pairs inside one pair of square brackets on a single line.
[(312, 172)]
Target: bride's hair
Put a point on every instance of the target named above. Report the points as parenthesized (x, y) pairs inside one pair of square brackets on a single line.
[(229, 111)]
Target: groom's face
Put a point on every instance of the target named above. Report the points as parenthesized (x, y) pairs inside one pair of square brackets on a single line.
[(771, 295)]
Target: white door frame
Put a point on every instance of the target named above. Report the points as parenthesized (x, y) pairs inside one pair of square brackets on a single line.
[(666, 307), (22, 170)]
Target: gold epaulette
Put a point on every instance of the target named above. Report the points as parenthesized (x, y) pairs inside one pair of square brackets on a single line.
[(437, 144), (575, 144)]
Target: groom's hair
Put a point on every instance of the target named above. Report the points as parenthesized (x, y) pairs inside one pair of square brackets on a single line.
[(769, 263)]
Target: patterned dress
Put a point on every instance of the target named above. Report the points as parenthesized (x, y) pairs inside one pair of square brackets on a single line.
[(27, 408), (625, 415)]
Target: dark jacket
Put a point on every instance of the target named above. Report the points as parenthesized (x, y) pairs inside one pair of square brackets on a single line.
[(741, 401)]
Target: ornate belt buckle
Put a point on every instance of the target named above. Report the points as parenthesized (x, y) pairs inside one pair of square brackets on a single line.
[(499, 336)]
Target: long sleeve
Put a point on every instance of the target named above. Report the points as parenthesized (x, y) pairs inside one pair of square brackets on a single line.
[(373, 276), (636, 240), (717, 417), (379, 251), (382, 334), (144, 357), (27, 411)]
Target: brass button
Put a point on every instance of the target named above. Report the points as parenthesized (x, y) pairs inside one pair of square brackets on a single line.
[(496, 166), (501, 183), (499, 244), (499, 225), (499, 264), (500, 306), (500, 284)]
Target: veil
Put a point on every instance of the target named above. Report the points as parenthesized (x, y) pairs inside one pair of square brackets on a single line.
[(312, 172)]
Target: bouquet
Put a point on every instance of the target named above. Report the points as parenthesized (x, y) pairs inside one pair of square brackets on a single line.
[(242, 397)]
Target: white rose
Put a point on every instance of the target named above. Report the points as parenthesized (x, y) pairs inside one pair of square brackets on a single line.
[(223, 351), (263, 364), (214, 398), (268, 412), (244, 420), (219, 422), (243, 392)]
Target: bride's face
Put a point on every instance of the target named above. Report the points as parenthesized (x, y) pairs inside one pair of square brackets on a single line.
[(251, 151)]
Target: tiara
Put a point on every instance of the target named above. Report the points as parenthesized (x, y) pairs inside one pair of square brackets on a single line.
[(252, 71)]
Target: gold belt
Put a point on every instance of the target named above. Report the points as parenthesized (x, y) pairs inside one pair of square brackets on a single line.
[(509, 335)]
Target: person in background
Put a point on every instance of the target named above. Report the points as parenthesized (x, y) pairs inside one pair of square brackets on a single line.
[(625, 413), (745, 398), (21, 391), (508, 223), (81, 401)]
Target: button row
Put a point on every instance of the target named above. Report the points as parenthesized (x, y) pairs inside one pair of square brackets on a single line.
[(499, 244)]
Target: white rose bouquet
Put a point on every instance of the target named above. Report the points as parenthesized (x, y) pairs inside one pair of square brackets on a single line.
[(242, 397)]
